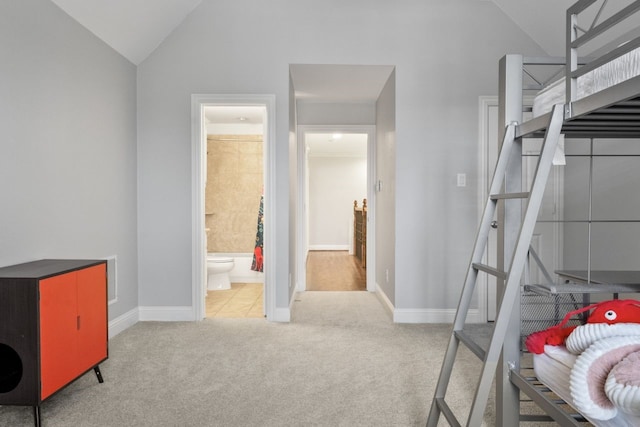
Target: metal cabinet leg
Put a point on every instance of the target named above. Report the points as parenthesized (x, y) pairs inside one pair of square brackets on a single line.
[(98, 374), (36, 416)]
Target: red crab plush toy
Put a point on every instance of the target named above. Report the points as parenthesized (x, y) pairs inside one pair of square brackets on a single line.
[(612, 311)]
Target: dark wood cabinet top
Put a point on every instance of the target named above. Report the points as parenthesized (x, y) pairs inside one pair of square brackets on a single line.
[(45, 268)]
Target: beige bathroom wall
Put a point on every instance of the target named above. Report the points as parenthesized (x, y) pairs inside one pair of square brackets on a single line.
[(233, 190)]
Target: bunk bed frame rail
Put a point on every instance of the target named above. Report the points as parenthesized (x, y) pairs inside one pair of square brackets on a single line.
[(578, 37)]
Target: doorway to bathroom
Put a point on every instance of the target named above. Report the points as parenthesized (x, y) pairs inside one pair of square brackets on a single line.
[(231, 187), (336, 234)]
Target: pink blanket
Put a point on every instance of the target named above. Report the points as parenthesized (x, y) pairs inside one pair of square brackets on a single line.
[(605, 378)]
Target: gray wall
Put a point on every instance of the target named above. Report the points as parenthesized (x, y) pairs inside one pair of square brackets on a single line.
[(386, 198), (334, 183), (67, 144), (445, 54)]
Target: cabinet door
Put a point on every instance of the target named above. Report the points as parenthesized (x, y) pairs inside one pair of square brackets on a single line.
[(58, 332), (92, 314)]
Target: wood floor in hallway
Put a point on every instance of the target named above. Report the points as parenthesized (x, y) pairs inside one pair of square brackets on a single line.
[(335, 271)]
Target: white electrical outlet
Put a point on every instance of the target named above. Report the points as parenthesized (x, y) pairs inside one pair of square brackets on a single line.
[(462, 180)]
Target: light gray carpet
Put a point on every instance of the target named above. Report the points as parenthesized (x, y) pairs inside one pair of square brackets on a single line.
[(340, 362)]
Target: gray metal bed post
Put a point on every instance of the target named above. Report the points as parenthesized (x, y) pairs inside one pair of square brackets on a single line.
[(509, 219)]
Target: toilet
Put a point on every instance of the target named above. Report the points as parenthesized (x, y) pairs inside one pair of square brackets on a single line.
[(218, 269)]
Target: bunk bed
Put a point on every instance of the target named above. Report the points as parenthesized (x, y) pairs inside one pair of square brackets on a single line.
[(513, 206), (600, 97)]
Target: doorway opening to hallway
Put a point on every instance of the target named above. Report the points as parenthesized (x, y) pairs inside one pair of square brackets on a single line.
[(336, 170)]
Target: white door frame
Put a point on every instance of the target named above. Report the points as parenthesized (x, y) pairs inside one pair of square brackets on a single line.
[(485, 102), (302, 199), (198, 165)]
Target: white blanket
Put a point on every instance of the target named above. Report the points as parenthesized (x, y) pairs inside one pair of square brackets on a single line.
[(602, 371)]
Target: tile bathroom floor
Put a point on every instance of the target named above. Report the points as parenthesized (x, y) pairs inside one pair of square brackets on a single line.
[(242, 300)]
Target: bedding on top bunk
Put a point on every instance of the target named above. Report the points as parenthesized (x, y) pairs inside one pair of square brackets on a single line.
[(607, 75)]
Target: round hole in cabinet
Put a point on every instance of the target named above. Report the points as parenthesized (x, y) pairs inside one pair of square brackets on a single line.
[(10, 368)]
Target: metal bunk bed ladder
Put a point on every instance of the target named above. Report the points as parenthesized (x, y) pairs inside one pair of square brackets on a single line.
[(512, 277)]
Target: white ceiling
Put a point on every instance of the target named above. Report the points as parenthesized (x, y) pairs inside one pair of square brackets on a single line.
[(339, 83), (135, 28), (542, 20), (235, 114), (336, 145), (545, 22)]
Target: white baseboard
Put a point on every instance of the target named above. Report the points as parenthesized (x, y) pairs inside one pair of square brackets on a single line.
[(386, 302), (123, 322), (167, 314), (328, 247), (430, 315), (423, 315), (181, 314), (281, 315)]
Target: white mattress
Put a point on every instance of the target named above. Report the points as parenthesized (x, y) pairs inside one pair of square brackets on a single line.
[(609, 74), (553, 369)]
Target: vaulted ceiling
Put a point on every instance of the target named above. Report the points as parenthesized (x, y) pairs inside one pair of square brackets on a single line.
[(135, 28), (542, 20)]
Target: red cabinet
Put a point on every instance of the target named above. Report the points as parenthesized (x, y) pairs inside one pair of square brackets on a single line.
[(72, 326), (53, 327)]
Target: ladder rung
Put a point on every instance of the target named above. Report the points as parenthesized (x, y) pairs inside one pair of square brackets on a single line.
[(447, 412), (490, 270), (509, 196), (471, 344)]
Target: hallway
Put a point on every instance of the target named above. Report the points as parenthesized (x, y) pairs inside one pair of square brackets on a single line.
[(335, 271)]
